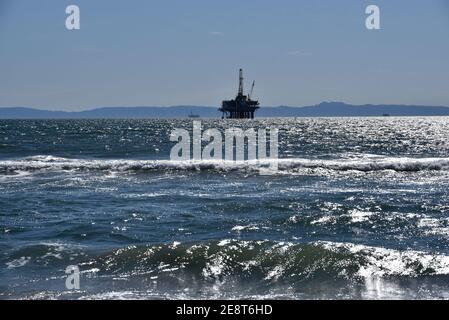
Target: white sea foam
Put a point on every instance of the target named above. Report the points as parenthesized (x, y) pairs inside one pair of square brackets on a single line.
[(215, 267), (363, 164), (325, 220), (17, 263), (275, 273), (359, 216), (381, 262), (242, 228), (432, 226)]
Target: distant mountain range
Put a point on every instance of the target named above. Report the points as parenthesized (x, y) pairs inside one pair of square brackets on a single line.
[(325, 109)]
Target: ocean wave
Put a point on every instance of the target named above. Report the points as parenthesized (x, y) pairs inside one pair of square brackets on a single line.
[(50, 163), (42, 254), (230, 269), (268, 261)]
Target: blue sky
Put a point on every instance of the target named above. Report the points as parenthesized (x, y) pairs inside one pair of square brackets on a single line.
[(161, 53)]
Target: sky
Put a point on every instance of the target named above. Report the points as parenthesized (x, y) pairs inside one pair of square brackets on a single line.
[(188, 52)]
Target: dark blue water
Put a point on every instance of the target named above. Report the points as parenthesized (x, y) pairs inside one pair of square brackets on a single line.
[(358, 209)]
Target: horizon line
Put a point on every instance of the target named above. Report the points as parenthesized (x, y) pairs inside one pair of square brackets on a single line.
[(205, 106)]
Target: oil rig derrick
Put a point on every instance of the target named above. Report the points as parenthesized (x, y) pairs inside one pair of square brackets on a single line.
[(242, 107)]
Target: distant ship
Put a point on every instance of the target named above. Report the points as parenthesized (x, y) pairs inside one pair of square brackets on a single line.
[(242, 107), (191, 115)]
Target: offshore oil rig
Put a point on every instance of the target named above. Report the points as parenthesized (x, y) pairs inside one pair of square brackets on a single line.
[(242, 107)]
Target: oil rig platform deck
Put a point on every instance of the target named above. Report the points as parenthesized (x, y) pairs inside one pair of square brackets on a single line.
[(242, 107)]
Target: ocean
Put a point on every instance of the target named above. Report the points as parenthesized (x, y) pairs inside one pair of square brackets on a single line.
[(358, 209)]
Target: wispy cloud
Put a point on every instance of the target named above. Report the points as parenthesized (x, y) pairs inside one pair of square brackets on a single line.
[(216, 33)]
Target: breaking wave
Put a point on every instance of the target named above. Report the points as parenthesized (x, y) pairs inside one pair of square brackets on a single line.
[(269, 261), (242, 269), (50, 163)]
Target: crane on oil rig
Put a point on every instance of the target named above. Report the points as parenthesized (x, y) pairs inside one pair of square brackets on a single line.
[(252, 90)]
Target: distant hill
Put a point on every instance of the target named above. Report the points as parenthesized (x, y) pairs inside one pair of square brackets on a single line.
[(325, 109), (110, 113), (340, 109)]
